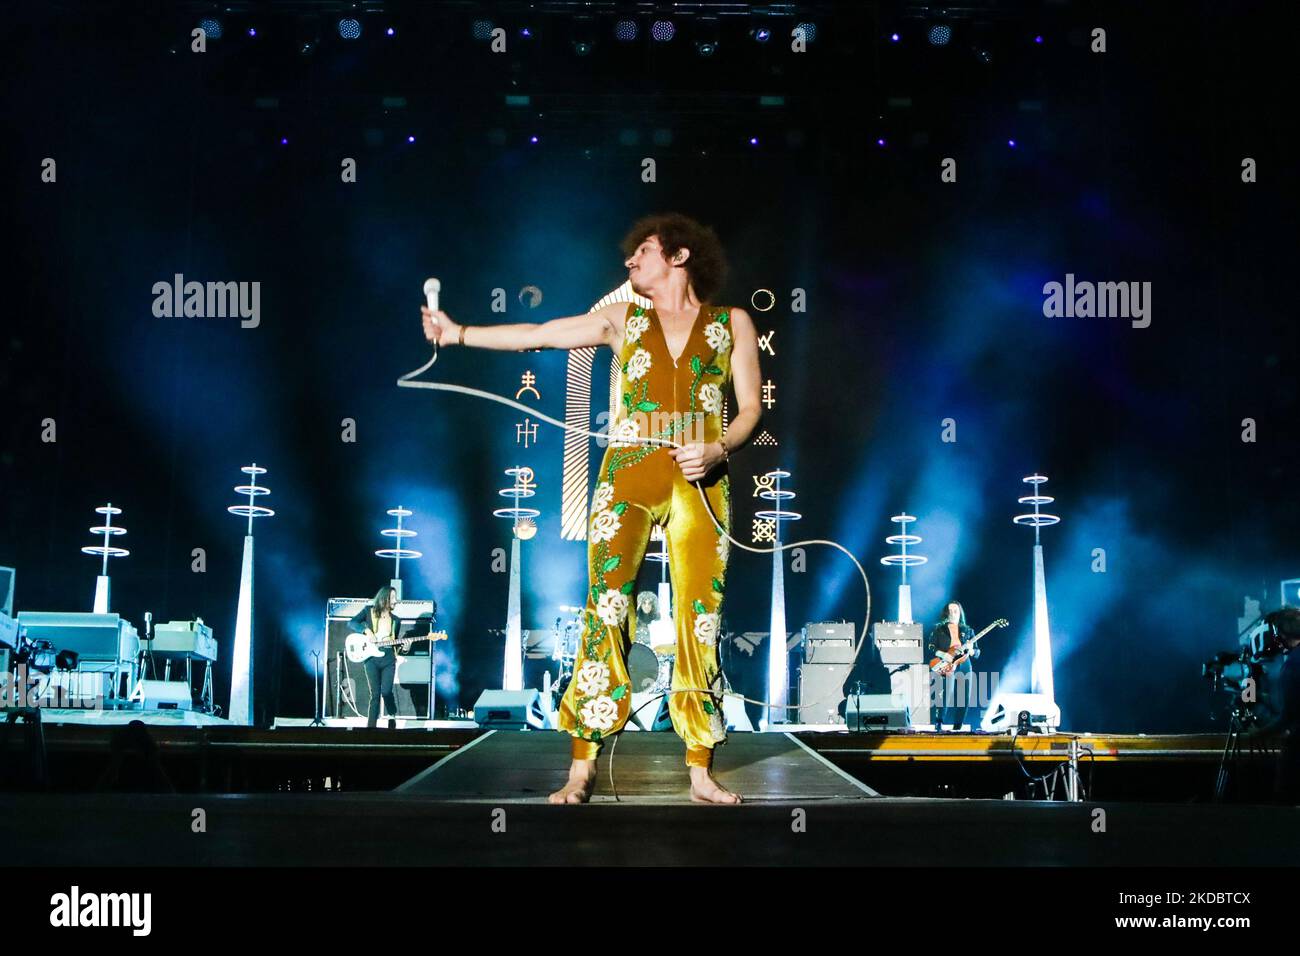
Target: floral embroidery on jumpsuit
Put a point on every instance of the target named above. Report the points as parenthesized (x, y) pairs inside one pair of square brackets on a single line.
[(639, 486)]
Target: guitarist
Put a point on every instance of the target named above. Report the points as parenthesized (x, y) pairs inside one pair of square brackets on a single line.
[(945, 642), (377, 623)]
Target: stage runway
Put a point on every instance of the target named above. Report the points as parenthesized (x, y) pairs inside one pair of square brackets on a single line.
[(515, 767)]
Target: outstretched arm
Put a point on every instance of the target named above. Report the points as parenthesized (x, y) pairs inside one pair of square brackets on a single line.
[(602, 327)]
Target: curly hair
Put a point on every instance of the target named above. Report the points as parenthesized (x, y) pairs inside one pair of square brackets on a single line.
[(706, 268)]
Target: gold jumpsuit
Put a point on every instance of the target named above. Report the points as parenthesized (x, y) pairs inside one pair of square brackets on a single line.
[(639, 486)]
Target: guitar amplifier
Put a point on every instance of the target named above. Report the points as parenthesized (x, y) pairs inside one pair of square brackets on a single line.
[(899, 643), (347, 692), (828, 642), (821, 691)]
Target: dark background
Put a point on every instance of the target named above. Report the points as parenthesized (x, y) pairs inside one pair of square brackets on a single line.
[(924, 302)]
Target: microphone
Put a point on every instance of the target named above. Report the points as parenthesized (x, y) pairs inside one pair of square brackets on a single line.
[(148, 625), (431, 289)]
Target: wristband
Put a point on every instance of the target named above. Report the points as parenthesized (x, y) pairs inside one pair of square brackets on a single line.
[(462, 334)]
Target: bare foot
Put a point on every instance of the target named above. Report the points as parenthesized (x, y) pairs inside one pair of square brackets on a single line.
[(582, 778), (704, 789)]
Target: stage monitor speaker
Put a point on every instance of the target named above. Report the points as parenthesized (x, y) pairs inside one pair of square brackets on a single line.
[(821, 691), (509, 710), (163, 695), (347, 692), (876, 712)]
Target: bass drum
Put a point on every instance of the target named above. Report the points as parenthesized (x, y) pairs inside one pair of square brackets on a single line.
[(642, 668)]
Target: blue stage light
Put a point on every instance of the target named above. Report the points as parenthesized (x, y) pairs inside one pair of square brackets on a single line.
[(761, 34), (625, 30), (211, 28), (894, 38), (482, 29), (809, 31), (349, 28), (390, 32), (939, 34), (663, 30)]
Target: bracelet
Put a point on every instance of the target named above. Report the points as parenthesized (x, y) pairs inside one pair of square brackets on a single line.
[(726, 453), (462, 334)]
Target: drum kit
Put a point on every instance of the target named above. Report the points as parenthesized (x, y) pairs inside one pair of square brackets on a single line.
[(649, 659)]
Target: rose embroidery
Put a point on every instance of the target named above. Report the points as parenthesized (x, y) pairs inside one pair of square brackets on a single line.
[(706, 629), (599, 713), (592, 678), (602, 496), (604, 526), (711, 397), (636, 326), (637, 365), (716, 334), (612, 607)]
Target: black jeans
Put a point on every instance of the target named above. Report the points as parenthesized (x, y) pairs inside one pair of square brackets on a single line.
[(958, 688), (380, 672)]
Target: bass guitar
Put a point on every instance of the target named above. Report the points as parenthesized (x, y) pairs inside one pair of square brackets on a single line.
[(947, 660)]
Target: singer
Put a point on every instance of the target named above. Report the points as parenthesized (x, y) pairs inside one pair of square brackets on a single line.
[(677, 359)]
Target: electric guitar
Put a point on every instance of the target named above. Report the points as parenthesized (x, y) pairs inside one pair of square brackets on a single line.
[(362, 647), (948, 660)]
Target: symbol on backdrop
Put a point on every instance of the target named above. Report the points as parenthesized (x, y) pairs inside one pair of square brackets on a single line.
[(764, 530), (768, 389), (765, 439), (524, 482), (526, 431), (767, 295), (530, 296), (763, 483), (765, 343), (528, 380)]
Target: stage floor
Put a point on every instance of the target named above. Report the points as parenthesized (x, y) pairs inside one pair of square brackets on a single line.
[(484, 803), (510, 767)]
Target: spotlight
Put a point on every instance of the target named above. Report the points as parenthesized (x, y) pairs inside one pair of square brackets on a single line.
[(760, 34), (410, 139), (482, 30), (211, 28), (625, 30), (984, 56), (706, 36), (894, 38), (532, 139), (881, 142), (1038, 39), (525, 33), (349, 28), (583, 36), (809, 31), (307, 36), (252, 31), (939, 34), (390, 32), (1011, 143), (753, 141), (662, 31)]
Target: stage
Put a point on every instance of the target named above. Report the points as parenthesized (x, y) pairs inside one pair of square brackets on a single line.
[(481, 799), (463, 795)]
